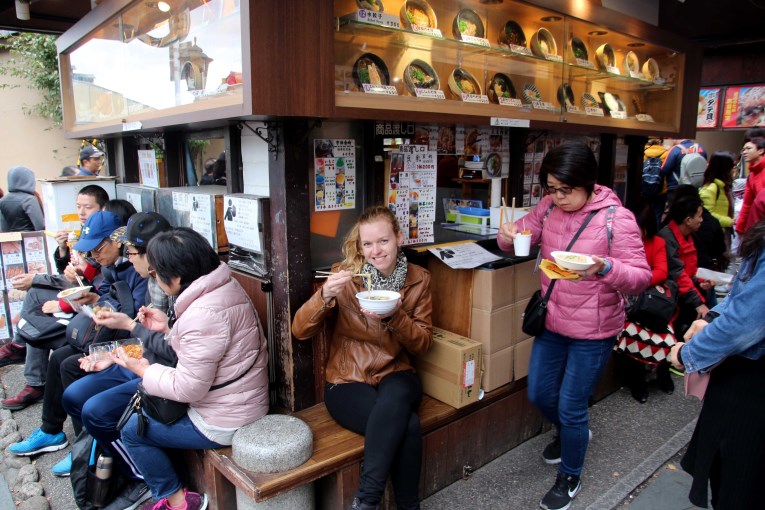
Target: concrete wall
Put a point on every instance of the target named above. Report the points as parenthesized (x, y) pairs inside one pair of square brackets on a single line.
[(29, 140)]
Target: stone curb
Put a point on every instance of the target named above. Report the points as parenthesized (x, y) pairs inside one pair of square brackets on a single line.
[(20, 473)]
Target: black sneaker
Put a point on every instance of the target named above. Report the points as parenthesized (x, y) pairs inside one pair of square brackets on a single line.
[(565, 489), (131, 497), (551, 453)]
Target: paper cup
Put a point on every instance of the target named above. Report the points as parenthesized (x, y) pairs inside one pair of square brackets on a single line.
[(522, 244)]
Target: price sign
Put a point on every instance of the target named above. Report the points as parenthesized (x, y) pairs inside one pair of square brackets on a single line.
[(581, 62), (426, 30), (480, 41), (542, 105), (572, 109), (378, 18), (521, 50), (613, 70), (553, 58), (644, 117), (618, 115), (505, 122), (591, 110), (510, 101), (429, 94), (386, 90), (475, 98)]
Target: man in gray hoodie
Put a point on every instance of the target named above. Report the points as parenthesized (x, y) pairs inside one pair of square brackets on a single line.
[(20, 209)]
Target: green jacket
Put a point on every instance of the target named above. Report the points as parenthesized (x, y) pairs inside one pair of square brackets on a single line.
[(716, 202)]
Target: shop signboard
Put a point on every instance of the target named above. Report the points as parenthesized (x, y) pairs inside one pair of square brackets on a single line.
[(744, 107), (709, 108)]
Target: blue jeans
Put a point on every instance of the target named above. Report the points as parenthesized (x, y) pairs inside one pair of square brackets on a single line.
[(149, 454), (563, 372), (98, 401)]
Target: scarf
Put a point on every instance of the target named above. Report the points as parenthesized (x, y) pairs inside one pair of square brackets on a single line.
[(393, 282)]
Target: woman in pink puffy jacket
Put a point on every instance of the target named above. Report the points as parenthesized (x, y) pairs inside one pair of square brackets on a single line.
[(584, 316)]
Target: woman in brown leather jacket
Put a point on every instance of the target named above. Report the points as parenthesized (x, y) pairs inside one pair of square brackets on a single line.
[(371, 387)]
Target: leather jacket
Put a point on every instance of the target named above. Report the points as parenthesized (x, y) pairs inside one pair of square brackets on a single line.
[(364, 349)]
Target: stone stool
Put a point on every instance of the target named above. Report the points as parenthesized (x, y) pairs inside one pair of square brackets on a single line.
[(273, 444)]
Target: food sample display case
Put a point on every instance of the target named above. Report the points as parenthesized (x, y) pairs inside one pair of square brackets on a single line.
[(503, 60)]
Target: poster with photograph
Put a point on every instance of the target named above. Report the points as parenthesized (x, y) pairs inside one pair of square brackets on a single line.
[(709, 108), (35, 258), (200, 214), (335, 174), (147, 164), (412, 192), (744, 107)]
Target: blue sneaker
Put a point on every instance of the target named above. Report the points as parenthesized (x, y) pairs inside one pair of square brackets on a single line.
[(63, 467), (39, 442)]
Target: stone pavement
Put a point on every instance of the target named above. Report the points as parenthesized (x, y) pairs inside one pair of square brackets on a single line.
[(631, 463)]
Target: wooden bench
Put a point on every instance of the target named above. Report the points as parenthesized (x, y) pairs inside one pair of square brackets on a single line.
[(337, 452)]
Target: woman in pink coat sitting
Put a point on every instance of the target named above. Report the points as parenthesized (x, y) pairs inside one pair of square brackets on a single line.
[(222, 368), (584, 316)]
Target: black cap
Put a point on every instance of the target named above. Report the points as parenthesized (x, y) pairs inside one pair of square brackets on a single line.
[(141, 228)]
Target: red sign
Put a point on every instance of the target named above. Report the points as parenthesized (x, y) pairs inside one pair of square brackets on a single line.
[(744, 107)]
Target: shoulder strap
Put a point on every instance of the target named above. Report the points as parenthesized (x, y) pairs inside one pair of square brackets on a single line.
[(568, 248), (125, 297), (547, 213)]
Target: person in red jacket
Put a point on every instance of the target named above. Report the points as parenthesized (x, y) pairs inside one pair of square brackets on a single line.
[(754, 150), (643, 349)]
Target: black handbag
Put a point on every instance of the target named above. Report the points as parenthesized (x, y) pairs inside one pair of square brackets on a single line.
[(535, 314), (655, 307)]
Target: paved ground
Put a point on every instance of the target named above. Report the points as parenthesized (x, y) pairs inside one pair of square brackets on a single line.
[(632, 461)]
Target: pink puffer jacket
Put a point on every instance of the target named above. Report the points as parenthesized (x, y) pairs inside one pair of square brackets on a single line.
[(591, 308), (217, 338)]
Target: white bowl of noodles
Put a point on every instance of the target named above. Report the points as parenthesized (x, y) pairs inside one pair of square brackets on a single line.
[(378, 301)]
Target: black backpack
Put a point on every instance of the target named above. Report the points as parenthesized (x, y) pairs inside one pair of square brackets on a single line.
[(651, 184), (85, 452)]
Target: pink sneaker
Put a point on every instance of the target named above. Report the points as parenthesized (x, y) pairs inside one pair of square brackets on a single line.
[(194, 501)]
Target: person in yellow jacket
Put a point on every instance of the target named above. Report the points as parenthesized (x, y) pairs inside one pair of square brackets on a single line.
[(717, 190)]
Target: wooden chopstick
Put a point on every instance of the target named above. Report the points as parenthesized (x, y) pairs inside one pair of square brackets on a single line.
[(512, 211), (79, 280), (328, 274), (502, 213), (150, 305)]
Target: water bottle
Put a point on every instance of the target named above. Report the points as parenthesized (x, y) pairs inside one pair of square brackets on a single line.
[(98, 481), (104, 467)]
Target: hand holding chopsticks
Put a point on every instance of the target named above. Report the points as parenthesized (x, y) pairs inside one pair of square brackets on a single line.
[(327, 274), (138, 316)]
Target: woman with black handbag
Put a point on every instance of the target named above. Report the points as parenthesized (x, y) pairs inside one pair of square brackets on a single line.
[(221, 373), (584, 315), (648, 334)]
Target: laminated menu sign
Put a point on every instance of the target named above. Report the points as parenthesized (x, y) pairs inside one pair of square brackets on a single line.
[(135, 199), (335, 174), (5, 333), (240, 221), (744, 107), (35, 259), (199, 217), (13, 260), (412, 192), (147, 163)]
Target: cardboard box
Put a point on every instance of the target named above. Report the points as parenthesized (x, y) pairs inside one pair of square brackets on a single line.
[(493, 288), (526, 280), (497, 369), (493, 329), (451, 370), (521, 359)]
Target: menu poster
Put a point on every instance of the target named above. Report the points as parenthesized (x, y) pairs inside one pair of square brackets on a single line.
[(709, 108), (200, 216), (34, 253), (147, 164), (5, 333), (744, 107), (13, 261), (241, 223), (412, 192), (335, 174)]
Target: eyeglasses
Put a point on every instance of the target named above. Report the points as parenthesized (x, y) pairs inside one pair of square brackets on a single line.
[(101, 246), (129, 254), (563, 190)]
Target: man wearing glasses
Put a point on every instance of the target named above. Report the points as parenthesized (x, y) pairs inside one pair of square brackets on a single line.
[(91, 160)]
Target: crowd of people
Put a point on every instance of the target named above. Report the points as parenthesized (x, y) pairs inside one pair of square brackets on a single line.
[(204, 355)]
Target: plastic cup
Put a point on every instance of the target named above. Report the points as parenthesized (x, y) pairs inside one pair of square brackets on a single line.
[(522, 244)]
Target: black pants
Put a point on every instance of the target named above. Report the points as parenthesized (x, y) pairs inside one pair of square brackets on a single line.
[(63, 370), (387, 418)]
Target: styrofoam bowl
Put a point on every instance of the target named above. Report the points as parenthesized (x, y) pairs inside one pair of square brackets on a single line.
[(379, 306), (572, 261), (73, 293)]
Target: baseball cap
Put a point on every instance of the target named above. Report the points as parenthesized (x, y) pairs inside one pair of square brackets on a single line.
[(90, 152), (141, 228), (98, 227)]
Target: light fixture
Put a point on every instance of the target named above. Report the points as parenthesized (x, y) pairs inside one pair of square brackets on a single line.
[(162, 6), (636, 44), (22, 9), (598, 32), (551, 18)]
